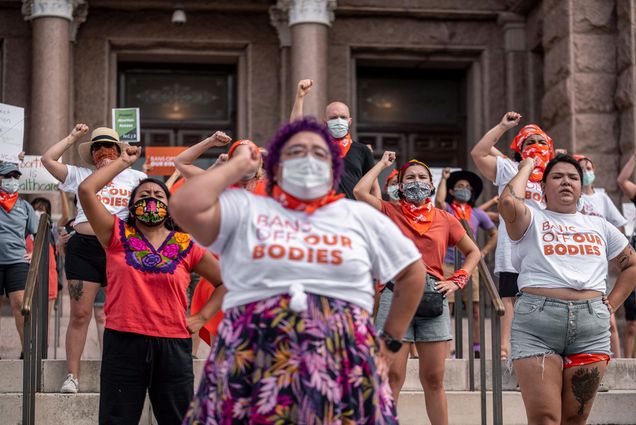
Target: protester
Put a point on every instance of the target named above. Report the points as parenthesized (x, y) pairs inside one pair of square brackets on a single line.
[(17, 221), (357, 158), (629, 338), (298, 266), (560, 332), (456, 194), (392, 187), (530, 142), (85, 263), (432, 230), (147, 345)]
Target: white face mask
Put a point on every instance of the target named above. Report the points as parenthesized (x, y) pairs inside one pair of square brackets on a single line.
[(10, 185), (338, 127), (306, 178)]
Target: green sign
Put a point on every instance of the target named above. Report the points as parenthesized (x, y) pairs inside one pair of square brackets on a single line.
[(126, 124)]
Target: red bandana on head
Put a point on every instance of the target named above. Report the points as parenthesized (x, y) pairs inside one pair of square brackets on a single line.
[(309, 207), (541, 154), (8, 200)]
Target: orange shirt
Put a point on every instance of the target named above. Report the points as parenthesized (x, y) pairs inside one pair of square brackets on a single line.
[(445, 231), (52, 267)]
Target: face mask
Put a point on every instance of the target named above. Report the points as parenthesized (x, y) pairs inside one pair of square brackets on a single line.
[(464, 194), (394, 192), (588, 178), (150, 211), (416, 192), (541, 156), (10, 185), (306, 178), (338, 127)]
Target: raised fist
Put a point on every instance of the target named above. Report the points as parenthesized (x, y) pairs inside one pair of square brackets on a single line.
[(304, 87), (79, 130), (388, 158), (510, 120)]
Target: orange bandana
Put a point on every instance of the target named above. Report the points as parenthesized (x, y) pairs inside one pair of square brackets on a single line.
[(238, 143), (462, 211), (309, 207), (256, 186), (8, 200), (540, 153), (419, 218), (345, 145), (392, 174)]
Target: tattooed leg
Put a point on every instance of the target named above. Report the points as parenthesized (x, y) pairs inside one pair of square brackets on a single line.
[(580, 385), (584, 385), (82, 294), (76, 289)]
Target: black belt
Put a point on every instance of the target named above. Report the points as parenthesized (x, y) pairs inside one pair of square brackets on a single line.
[(390, 286)]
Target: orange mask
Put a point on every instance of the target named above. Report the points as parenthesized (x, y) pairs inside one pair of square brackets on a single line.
[(541, 155)]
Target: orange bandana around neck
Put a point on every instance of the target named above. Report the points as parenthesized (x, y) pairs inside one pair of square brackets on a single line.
[(8, 200), (345, 145), (420, 217), (309, 207), (462, 211)]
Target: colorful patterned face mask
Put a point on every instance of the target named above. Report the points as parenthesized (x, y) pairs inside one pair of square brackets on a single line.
[(150, 211)]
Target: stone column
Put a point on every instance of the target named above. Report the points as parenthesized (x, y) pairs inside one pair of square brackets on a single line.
[(626, 70), (579, 108), (309, 21), (50, 85), (514, 29)]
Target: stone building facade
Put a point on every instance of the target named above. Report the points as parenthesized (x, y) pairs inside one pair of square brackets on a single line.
[(423, 77)]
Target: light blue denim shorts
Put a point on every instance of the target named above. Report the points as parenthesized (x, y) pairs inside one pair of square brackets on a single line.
[(551, 326), (421, 329)]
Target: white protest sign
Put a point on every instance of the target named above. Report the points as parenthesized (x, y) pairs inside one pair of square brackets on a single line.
[(437, 174), (11, 132), (35, 178), (629, 212)]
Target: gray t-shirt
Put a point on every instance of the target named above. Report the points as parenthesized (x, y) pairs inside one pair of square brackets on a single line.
[(15, 225)]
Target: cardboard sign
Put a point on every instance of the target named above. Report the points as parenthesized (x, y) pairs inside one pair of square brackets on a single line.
[(126, 124), (11, 132), (160, 160), (35, 178)]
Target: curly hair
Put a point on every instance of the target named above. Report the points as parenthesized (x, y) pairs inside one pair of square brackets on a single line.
[(286, 132)]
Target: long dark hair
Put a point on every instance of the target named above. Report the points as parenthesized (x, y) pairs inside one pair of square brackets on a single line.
[(168, 223)]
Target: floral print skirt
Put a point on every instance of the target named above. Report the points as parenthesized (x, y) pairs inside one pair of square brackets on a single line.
[(270, 365)]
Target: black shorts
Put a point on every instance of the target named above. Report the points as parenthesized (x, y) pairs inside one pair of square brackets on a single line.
[(85, 259), (508, 284), (630, 307), (13, 277)]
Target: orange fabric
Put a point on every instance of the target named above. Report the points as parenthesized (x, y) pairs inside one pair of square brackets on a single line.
[(345, 145), (459, 277), (8, 200), (443, 232), (257, 187), (541, 154), (289, 202), (52, 267), (241, 143), (420, 217), (584, 359), (392, 174), (202, 294), (462, 211), (527, 131), (177, 185)]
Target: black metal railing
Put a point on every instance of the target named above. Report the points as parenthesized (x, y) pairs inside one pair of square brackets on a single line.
[(35, 312), (487, 291)]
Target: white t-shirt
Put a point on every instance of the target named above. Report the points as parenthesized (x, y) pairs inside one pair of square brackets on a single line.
[(115, 195), (600, 205), (566, 251), (506, 170), (335, 252)]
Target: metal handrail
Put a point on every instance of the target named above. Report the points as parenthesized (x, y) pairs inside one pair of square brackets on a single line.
[(35, 312)]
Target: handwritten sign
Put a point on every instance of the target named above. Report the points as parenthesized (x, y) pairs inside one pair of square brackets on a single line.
[(126, 124), (35, 178), (160, 160), (11, 132)]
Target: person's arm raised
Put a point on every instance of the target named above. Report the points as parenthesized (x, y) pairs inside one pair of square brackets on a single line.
[(52, 154), (440, 196), (512, 207), (483, 155), (195, 206), (304, 87), (184, 162), (624, 178), (363, 190), (100, 219)]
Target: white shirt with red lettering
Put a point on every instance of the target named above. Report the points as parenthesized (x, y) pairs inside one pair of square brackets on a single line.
[(600, 205), (506, 170), (336, 252), (115, 195), (566, 251)]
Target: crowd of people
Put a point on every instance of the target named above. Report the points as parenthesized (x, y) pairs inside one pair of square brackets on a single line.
[(315, 286)]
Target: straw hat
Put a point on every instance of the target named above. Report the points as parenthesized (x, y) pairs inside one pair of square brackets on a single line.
[(101, 134)]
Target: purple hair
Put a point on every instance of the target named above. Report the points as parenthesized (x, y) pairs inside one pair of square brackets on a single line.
[(286, 132)]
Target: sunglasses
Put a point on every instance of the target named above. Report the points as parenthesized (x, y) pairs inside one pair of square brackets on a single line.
[(98, 145)]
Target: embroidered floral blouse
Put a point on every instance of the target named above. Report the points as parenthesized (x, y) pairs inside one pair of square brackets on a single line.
[(146, 291)]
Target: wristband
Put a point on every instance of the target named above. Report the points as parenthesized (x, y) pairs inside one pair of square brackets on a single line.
[(459, 278)]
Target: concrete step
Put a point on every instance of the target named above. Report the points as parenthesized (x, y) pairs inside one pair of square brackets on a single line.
[(614, 407)]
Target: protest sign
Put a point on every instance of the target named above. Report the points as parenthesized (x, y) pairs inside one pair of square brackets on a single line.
[(11, 132), (160, 160), (35, 178), (126, 124)]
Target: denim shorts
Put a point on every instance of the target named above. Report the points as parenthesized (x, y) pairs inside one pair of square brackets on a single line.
[(551, 326), (421, 329)]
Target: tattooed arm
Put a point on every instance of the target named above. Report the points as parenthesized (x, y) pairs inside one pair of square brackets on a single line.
[(512, 207), (626, 262)]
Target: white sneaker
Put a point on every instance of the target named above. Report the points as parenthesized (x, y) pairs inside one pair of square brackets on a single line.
[(70, 385)]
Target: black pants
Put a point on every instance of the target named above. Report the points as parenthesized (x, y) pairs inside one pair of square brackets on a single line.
[(133, 364)]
